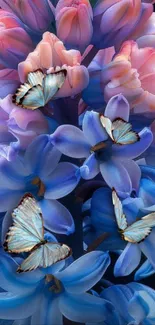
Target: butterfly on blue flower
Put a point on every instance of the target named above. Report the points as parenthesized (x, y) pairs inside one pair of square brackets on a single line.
[(39, 89), (27, 235), (119, 131), (137, 231)]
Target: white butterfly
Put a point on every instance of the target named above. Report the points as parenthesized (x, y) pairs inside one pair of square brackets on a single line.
[(119, 131), (138, 230), (39, 89), (27, 235)]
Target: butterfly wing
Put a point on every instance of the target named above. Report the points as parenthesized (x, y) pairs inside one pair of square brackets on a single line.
[(27, 229), (120, 216), (122, 132), (20, 93), (107, 124), (52, 83), (36, 78), (54, 252), (44, 256), (140, 229), (34, 98)]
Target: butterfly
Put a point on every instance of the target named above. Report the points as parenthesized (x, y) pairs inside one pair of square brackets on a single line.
[(27, 235), (119, 130), (138, 230), (39, 89)]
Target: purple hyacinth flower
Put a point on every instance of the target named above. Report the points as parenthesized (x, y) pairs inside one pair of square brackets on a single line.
[(28, 295), (39, 172), (115, 162)]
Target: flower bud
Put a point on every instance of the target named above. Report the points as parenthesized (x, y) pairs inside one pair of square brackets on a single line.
[(36, 14), (15, 43), (74, 23), (118, 20)]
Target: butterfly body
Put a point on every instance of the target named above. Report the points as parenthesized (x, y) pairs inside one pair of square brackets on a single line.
[(39, 89), (119, 131), (137, 231), (27, 235)]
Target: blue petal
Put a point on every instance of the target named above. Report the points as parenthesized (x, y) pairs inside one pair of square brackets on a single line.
[(102, 211), (117, 107), (141, 306), (56, 217), (148, 247), (90, 167), (93, 129), (15, 282), (12, 174), (62, 181), (119, 296), (128, 260), (85, 272), (134, 172), (25, 321), (147, 194), (19, 306), (70, 141), (131, 208), (144, 271), (103, 219), (134, 150), (115, 175), (41, 157), (84, 308), (6, 223), (48, 312), (148, 172), (9, 199)]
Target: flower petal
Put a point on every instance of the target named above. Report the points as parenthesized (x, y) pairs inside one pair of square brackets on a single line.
[(119, 296), (70, 141), (93, 129), (84, 308), (128, 260), (134, 150), (116, 176), (14, 282), (48, 312), (19, 306), (117, 107), (56, 217), (140, 305), (83, 273), (134, 172), (103, 219), (144, 271), (148, 247), (41, 157), (9, 199), (12, 174), (90, 167), (62, 181)]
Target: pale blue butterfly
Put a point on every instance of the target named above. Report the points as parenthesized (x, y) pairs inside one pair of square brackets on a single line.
[(27, 235), (39, 89), (119, 131), (138, 230)]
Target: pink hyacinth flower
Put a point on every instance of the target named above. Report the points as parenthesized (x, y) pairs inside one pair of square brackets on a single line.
[(18, 127), (36, 14), (132, 73), (50, 54), (15, 43), (74, 23), (118, 20)]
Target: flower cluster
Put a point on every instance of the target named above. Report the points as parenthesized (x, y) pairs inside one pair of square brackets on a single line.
[(77, 167)]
